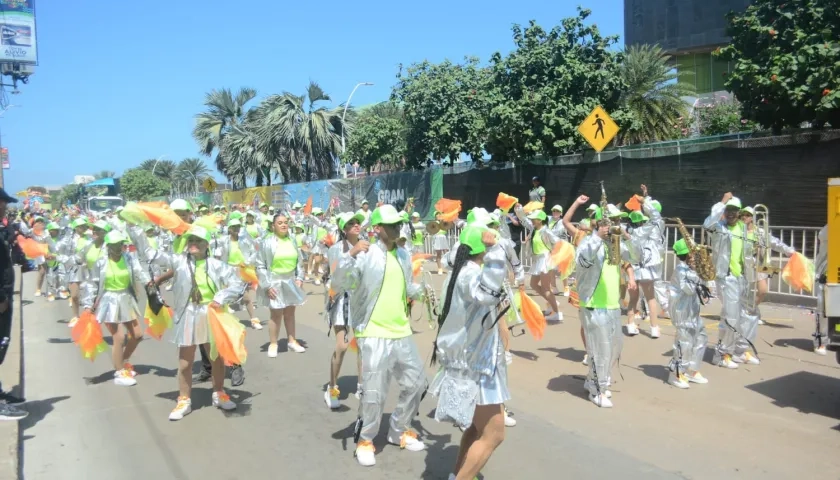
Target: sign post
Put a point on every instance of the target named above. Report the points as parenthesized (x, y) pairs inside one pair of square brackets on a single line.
[(209, 185), (598, 129)]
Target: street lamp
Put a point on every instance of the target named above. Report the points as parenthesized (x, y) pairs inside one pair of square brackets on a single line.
[(367, 84), (2, 112), (156, 162), (193, 176)]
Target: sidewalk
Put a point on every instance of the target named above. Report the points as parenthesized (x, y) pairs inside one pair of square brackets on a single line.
[(11, 375)]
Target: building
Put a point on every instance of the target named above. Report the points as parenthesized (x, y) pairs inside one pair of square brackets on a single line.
[(690, 30)]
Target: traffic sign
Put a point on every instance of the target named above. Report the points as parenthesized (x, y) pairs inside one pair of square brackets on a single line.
[(598, 129), (210, 185)]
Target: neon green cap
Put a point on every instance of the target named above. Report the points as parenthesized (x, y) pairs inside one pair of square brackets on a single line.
[(471, 237), (680, 247)]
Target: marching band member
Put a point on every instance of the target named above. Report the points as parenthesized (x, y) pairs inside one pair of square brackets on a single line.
[(338, 309), (600, 308), (417, 238), (555, 223), (55, 273), (40, 235), (251, 228), (379, 282), (684, 305), (440, 244), (280, 270), (109, 292), (317, 251), (239, 250), (542, 241), (820, 270), (647, 236), (471, 385), (200, 282), (69, 250)]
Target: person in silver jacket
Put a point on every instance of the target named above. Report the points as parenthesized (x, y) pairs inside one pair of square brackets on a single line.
[(280, 270), (245, 254), (600, 305), (109, 292), (68, 253), (684, 305), (820, 270), (383, 357), (542, 242), (471, 385), (646, 233), (555, 223), (200, 282)]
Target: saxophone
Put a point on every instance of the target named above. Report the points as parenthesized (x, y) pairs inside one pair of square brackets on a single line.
[(699, 253), (614, 237)]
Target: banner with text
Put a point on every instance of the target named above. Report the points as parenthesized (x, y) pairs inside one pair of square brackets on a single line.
[(17, 32)]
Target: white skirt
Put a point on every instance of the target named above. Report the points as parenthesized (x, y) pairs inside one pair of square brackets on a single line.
[(190, 327), (440, 242), (646, 273), (118, 307), (540, 264), (288, 293)]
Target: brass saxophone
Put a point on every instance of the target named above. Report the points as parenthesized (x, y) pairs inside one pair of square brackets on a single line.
[(700, 253), (614, 238)]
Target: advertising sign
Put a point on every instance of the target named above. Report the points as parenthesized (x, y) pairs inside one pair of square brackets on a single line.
[(17, 31), (4, 158), (393, 188)]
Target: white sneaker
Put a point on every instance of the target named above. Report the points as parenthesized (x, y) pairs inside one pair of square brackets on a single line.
[(182, 409), (605, 393), (585, 359), (602, 401), (51, 298), (746, 357), (317, 282), (272, 351), (655, 332), (632, 329), (554, 317), (331, 398), (409, 441), (222, 400), (70, 302), (365, 454), (509, 358), (566, 292), (296, 347), (255, 324), (509, 420), (73, 321), (680, 381), (820, 350), (761, 322), (358, 393), (725, 361), (37, 293), (123, 378), (696, 377), (169, 287)]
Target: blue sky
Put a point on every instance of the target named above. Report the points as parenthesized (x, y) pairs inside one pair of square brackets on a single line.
[(121, 81)]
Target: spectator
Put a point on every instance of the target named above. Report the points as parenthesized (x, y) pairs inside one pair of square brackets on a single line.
[(516, 232), (537, 194), (7, 286)]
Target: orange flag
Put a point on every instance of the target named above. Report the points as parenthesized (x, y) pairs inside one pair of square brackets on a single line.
[(227, 337), (445, 205), (563, 258), (248, 274), (505, 201), (533, 206), (799, 273), (354, 345), (417, 262), (31, 248), (634, 204), (156, 325), (532, 315), (307, 209), (449, 217), (87, 334)]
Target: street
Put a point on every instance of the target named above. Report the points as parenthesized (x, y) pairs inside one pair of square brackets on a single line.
[(777, 420)]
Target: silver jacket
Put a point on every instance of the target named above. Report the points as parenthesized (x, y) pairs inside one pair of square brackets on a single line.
[(363, 277), (265, 257), (648, 239), (557, 228), (67, 254), (589, 259), (221, 248), (507, 246), (94, 285), (548, 237), (684, 304), (229, 286), (468, 338)]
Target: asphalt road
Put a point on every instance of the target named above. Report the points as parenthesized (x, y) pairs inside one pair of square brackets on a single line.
[(776, 420)]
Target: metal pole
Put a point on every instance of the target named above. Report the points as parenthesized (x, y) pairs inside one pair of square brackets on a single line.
[(156, 162), (345, 113)]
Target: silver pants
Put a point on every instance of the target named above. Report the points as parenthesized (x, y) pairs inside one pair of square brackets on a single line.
[(382, 359), (689, 346), (604, 340), (821, 334), (738, 321)]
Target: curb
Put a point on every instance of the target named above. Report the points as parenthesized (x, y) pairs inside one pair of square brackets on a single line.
[(12, 375)]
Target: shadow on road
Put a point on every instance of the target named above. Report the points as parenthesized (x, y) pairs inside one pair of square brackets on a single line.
[(571, 354), (59, 340), (807, 392), (776, 325), (526, 355), (572, 384), (38, 409), (799, 343), (656, 372), (346, 385)]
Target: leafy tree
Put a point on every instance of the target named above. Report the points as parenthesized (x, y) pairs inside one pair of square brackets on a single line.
[(723, 117), (105, 174), (165, 169), (190, 172), (653, 98), (548, 84), (379, 137), (223, 111), (445, 107), (140, 184), (69, 193), (786, 60)]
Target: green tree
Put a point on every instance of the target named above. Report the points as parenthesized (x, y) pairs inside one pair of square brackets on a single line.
[(723, 117), (445, 106), (191, 172), (105, 174), (223, 111), (69, 193), (379, 137), (545, 87), (164, 169), (139, 184), (652, 97), (786, 62), (300, 131)]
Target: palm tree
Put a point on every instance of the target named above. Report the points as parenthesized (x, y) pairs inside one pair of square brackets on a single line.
[(224, 110), (191, 171), (301, 133), (163, 169), (105, 174), (653, 97)]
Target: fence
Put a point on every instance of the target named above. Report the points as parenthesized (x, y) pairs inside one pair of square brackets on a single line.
[(802, 239)]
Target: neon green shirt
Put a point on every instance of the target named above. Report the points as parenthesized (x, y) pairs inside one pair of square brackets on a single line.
[(285, 257), (418, 234), (204, 284), (153, 242), (235, 256), (736, 254), (606, 293), (92, 256), (81, 243), (253, 230), (322, 232), (179, 244), (117, 276), (389, 318), (300, 238), (538, 244)]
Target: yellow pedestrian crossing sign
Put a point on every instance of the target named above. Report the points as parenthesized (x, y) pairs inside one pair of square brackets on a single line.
[(210, 185), (598, 129)]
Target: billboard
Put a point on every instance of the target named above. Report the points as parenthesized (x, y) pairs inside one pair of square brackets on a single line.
[(17, 32), (4, 158)]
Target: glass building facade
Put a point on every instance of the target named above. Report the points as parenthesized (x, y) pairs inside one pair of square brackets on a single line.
[(702, 70)]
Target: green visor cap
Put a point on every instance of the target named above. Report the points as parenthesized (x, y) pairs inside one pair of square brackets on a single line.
[(638, 217), (235, 216), (199, 232), (734, 202), (471, 237), (346, 217), (478, 216), (115, 238), (656, 205), (234, 223), (102, 225), (748, 210), (385, 215), (181, 204), (538, 215), (53, 226), (680, 247), (79, 222)]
